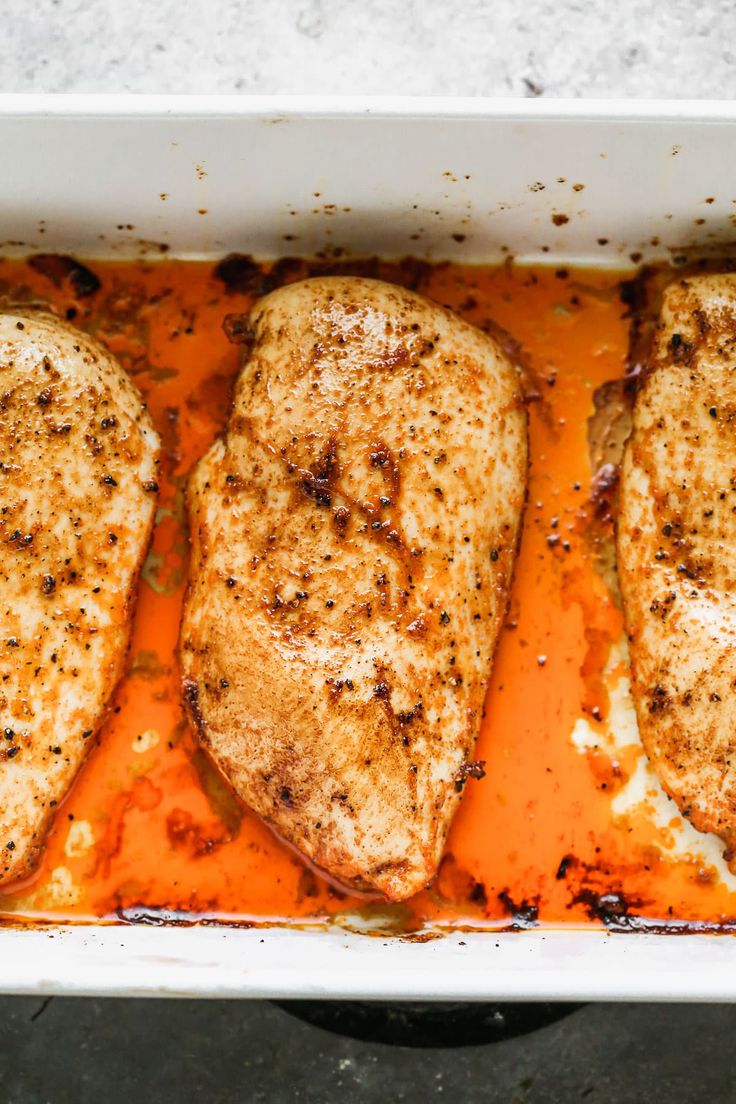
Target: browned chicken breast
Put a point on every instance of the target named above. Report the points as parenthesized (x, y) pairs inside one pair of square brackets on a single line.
[(677, 552), (353, 538), (78, 457)]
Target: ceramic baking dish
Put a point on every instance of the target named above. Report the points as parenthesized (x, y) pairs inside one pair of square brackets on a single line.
[(468, 180)]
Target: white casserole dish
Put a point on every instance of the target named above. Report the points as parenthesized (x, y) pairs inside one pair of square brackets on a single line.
[(465, 180)]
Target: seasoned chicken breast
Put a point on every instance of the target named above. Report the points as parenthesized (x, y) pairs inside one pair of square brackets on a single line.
[(677, 552), (78, 457), (353, 538)]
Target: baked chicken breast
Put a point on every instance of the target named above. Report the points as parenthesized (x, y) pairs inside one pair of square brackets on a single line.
[(78, 456), (353, 539), (676, 550)]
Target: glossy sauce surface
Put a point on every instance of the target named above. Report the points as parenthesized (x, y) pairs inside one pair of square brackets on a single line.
[(151, 830)]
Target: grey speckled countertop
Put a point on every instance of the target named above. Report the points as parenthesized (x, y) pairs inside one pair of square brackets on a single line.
[(62, 1050), (674, 48)]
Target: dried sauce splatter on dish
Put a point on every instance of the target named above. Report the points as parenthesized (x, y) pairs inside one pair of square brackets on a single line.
[(151, 833)]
